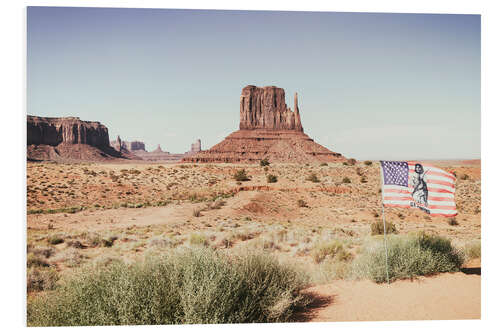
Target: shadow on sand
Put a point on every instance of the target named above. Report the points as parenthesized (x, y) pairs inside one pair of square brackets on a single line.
[(310, 311), (471, 270)]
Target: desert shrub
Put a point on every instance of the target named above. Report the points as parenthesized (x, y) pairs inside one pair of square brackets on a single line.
[(241, 176), (45, 252), (313, 178), (464, 176), (364, 180), (350, 161), (38, 279), (55, 239), (473, 249), (184, 287), (333, 249), (452, 221), (346, 180), (330, 269), (272, 179), (408, 256), (301, 203), (70, 257), (96, 240), (75, 243), (217, 204), (264, 162), (33, 260), (198, 239), (323, 164), (368, 163), (197, 212), (378, 228)]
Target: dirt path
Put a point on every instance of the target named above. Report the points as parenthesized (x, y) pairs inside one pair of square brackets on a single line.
[(446, 296)]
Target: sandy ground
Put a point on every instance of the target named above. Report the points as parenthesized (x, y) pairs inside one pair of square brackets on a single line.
[(149, 208), (444, 297)]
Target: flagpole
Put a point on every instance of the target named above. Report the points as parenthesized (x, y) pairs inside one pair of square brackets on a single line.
[(383, 219)]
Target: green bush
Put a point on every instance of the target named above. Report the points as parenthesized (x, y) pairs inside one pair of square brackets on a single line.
[(313, 178), (368, 163), (301, 203), (184, 287), (408, 256), (378, 228), (346, 180), (272, 179), (264, 162), (39, 279), (198, 239), (333, 249), (473, 249), (241, 176), (55, 239)]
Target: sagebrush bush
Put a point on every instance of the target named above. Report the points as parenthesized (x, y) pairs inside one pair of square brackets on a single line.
[(241, 176), (346, 180), (301, 203), (473, 249), (408, 256), (184, 287), (378, 228), (198, 239), (264, 162), (313, 178), (333, 249), (272, 178), (39, 279)]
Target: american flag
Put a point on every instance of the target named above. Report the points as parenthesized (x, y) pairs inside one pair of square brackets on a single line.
[(419, 185)]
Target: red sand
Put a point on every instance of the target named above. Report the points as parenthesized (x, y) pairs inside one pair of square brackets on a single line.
[(446, 296)]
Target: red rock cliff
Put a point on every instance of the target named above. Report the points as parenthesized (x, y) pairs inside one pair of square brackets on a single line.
[(265, 108), (71, 130)]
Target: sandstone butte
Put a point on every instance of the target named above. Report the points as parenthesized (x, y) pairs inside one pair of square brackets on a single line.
[(68, 139), (268, 129)]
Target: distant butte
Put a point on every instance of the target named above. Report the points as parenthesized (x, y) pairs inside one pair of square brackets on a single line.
[(68, 139), (268, 129)]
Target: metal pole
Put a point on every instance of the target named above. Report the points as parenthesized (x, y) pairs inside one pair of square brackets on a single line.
[(383, 219)]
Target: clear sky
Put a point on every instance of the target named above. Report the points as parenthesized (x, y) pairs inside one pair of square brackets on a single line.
[(371, 86)]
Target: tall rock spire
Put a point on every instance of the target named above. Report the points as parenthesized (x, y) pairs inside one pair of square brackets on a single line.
[(298, 123), (265, 108)]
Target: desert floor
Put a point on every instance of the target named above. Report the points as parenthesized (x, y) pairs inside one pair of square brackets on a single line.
[(87, 213)]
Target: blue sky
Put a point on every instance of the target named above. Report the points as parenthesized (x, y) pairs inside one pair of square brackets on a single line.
[(371, 86)]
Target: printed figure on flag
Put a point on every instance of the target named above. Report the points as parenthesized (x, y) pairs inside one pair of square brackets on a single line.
[(411, 184), (420, 191)]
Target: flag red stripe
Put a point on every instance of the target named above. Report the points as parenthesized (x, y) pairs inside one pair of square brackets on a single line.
[(436, 173), (442, 207), (441, 199), (445, 215), (434, 189), (391, 190), (440, 182), (398, 198), (396, 205), (411, 199)]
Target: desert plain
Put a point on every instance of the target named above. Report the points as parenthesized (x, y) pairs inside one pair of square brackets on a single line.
[(86, 213)]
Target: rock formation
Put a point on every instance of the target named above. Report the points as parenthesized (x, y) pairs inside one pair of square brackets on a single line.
[(71, 130), (138, 149), (195, 147), (68, 139), (268, 129), (265, 108)]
